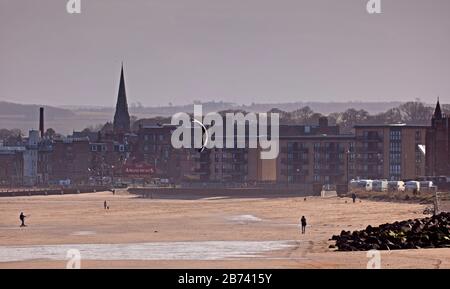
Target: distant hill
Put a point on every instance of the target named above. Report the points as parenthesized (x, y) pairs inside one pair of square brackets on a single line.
[(31, 111), (26, 117), (321, 107)]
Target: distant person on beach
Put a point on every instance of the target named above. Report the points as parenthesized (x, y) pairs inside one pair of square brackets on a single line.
[(22, 219), (303, 224), (105, 205), (354, 197)]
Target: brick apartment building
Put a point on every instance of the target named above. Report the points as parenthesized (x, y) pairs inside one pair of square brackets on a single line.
[(392, 152), (107, 158), (153, 147), (11, 166), (70, 160), (310, 156), (314, 160)]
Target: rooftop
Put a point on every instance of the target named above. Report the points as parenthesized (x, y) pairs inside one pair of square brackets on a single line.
[(392, 125)]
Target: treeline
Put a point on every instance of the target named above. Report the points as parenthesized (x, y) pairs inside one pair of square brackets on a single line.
[(13, 137), (414, 112)]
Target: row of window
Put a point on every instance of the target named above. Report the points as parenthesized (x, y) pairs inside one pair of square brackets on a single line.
[(153, 137), (217, 156), (326, 145), (395, 169), (103, 148), (223, 167), (395, 157), (317, 178), (395, 146), (395, 135)]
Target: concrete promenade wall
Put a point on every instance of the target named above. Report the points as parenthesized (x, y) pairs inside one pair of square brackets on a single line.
[(216, 192), (49, 191)]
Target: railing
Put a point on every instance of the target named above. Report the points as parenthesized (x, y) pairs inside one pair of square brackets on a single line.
[(365, 150), (442, 202), (295, 161), (369, 161), (329, 172), (294, 150), (333, 149), (370, 138), (294, 172)]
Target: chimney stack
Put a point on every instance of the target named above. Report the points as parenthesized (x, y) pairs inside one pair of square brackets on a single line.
[(41, 121)]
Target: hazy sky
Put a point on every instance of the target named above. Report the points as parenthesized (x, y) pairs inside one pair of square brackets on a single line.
[(232, 50)]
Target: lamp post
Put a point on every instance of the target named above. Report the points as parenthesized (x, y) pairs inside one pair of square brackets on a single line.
[(90, 175), (112, 176), (347, 168)]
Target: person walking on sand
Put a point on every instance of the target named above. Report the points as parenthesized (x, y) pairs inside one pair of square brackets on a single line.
[(105, 205), (22, 219), (354, 197), (303, 224)]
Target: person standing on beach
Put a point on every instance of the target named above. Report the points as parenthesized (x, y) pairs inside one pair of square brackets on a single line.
[(354, 197), (22, 219), (303, 224), (105, 205)]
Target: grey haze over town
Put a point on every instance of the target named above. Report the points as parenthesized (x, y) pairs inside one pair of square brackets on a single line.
[(237, 51)]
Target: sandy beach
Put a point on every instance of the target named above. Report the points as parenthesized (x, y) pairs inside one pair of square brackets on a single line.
[(194, 232)]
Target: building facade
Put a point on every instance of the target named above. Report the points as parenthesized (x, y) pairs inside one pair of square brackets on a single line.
[(153, 147), (309, 157), (392, 152), (11, 166), (438, 144), (71, 160)]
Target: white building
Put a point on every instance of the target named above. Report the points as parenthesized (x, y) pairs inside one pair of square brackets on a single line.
[(30, 159)]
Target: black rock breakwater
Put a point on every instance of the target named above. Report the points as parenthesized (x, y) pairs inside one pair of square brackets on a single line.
[(432, 232)]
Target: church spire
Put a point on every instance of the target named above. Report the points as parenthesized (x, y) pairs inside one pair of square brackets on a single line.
[(437, 111), (122, 117)]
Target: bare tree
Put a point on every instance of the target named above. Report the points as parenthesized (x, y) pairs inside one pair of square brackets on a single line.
[(446, 109), (352, 117), (50, 133), (416, 112), (393, 115), (302, 115)]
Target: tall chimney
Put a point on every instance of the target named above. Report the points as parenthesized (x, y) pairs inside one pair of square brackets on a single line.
[(41, 121)]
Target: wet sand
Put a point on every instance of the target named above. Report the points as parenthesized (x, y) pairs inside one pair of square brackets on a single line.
[(196, 233)]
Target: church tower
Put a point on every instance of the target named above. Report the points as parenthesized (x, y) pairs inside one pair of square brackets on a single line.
[(438, 144), (122, 117), (437, 115)]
